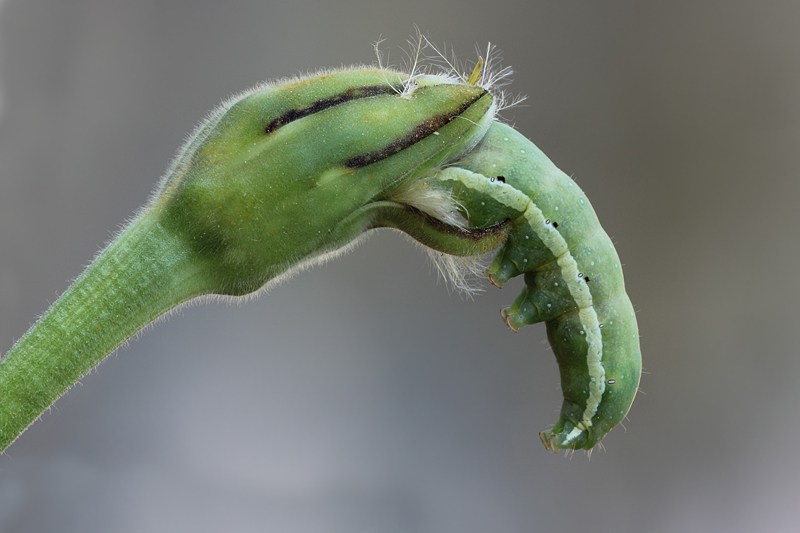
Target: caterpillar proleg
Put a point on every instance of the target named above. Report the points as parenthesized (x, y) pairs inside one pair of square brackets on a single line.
[(288, 174)]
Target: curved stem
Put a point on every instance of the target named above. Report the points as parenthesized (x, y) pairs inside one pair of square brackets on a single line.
[(144, 272)]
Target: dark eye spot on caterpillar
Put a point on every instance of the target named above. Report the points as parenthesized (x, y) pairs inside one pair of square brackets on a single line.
[(501, 179), (586, 279), (555, 224)]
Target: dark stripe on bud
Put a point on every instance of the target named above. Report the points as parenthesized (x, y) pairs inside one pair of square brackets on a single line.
[(439, 235), (499, 230), (353, 93), (417, 134)]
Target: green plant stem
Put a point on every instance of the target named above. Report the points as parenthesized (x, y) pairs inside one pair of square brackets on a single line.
[(144, 273)]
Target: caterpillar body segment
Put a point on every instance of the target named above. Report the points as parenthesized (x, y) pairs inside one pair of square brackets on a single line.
[(573, 279)]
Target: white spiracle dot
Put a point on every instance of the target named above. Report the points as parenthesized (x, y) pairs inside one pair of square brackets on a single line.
[(582, 333), (522, 151), (505, 138), (549, 305), (483, 203)]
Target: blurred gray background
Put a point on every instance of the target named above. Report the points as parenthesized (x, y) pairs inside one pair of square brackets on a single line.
[(361, 396)]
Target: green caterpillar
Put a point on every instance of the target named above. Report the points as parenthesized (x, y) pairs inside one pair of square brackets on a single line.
[(289, 174), (573, 279)]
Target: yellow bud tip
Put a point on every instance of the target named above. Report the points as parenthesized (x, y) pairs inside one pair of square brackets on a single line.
[(475, 77)]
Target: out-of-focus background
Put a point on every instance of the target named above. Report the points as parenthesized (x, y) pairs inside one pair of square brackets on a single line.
[(361, 396)]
